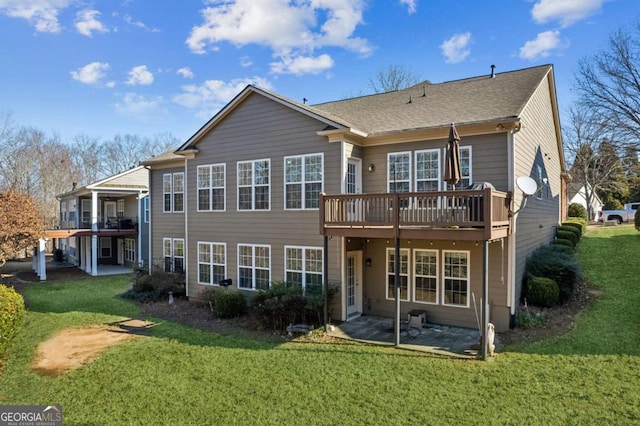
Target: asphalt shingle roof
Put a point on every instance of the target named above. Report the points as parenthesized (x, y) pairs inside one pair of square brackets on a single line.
[(425, 105)]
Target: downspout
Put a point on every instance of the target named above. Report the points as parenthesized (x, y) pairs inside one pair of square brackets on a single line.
[(511, 249), (186, 228)]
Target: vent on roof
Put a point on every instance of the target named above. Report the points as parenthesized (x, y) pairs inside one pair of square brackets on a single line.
[(493, 71)]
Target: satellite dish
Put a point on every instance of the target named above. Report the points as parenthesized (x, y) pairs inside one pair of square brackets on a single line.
[(527, 185)]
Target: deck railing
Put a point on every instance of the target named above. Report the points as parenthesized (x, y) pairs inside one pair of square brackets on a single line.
[(480, 209)]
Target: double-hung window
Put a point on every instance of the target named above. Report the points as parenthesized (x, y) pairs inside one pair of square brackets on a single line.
[(303, 266), (173, 254), (212, 264), (404, 274), (428, 170), (456, 278), (399, 172), (146, 209), (303, 181), (425, 276), (465, 168), (254, 266), (173, 192), (254, 186), (211, 187)]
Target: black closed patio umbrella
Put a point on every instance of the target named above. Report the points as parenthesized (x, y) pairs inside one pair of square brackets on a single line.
[(452, 158)]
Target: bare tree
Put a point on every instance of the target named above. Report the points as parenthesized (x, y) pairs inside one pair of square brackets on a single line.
[(588, 145), (126, 151), (85, 154), (609, 83), (392, 77)]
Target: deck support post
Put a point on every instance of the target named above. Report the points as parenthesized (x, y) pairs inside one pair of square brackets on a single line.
[(485, 300), (325, 282)]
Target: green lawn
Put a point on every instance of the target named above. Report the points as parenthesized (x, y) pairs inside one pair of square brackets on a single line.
[(181, 375)]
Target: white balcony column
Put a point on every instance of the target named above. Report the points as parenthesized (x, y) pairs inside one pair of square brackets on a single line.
[(34, 259), (42, 262), (80, 252), (94, 211), (86, 243), (94, 255)]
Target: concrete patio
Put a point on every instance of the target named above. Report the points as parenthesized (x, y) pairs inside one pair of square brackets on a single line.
[(432, 338)]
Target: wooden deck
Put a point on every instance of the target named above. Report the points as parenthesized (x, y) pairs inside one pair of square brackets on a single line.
[(437, 215)]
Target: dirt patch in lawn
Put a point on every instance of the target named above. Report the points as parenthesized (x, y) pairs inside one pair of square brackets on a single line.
[(71, 348)]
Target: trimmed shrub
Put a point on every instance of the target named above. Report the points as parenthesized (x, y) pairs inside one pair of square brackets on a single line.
[(567, 235), (155, 287), (579, 226), (563, 243), (577, 210), (552, 261), (229, 303), (570, 229), (542, 291), (11, 314)]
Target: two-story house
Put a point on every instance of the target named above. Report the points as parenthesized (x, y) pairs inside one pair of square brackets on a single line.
[(103, 226), (271, 189)]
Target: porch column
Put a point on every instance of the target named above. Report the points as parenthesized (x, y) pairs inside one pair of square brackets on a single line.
[(34, 259), (42, 262), (86, 245), (325, 283), (396, 280), (94, 211), (485, 300), (94, 255)]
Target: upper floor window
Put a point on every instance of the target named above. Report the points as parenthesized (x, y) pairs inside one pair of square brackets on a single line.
[(146, 209), (254, 266), (173, 192), (303, 266), (303, 181), (399, 172), (465, 168), (120, 207), (211, 187), (428, 170), (254, 186)]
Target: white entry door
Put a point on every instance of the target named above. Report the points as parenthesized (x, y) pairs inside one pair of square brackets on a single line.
[(120, 251), (354, 284), (110, 219)]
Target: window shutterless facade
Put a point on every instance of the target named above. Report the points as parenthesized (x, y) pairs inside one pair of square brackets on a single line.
[(146, 209), (173, 192), (456, 278), (404, 274), (211, 187), (105, 247), (254, 266), (425, 276), (303, 181), (303, 266), (173, 255), (399, 172), (427, 166), (212, 263), (129, 250), (254, 187)]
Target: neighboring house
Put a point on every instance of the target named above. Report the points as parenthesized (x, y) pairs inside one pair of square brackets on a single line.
[(242, 198), (576, 193), (104, 226)]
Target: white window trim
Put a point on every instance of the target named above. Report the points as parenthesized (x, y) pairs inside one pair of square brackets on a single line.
[(253, 185), (303, 181), (164, 253), (174, 256), (129, 249), (211, 262), (389, 177), (415, 167), (174, 192), (448, 187), (105, 246), (304, 271), (253, 265), (467, 279), (146, 209), (169, 177), (211, 187), (387, 273), (415, 275)]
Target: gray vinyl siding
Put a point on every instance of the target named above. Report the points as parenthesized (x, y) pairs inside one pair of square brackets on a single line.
[(131, 179), (488, 160), (144, 234), (536, 144), (260, 129), (163, 225)]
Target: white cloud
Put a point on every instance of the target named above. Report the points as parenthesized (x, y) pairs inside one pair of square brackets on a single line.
[(541, 46), (567, 12), (140, 75), (290, 29), (141, 107), (411, 5), (42, 14), (129, 20), (245, 61), (456, 49), (91, 73), (302, 65), (212, 95), (185, 72), (86, 22)]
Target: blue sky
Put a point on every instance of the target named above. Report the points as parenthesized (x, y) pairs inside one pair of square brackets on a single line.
[(147, 67)]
